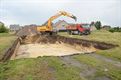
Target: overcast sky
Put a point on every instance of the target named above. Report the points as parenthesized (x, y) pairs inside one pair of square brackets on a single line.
[(38, 11)]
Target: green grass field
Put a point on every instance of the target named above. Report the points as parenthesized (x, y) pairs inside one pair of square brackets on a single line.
[(102, 65), (45, 68)]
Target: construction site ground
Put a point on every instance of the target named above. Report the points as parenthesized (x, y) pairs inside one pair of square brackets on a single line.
[(35, 50), (101, 65), (48, 49)]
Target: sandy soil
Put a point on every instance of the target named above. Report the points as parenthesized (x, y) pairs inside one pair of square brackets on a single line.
[(35, 50)]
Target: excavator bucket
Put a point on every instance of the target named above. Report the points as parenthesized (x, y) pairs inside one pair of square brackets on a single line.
[(68, 14), (74, 17)]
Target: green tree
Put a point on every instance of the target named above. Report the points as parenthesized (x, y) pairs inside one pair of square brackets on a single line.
[(115, 29), (98, 25), (3, 29)]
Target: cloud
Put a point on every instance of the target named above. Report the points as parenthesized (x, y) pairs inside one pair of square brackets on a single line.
[(38, 11)]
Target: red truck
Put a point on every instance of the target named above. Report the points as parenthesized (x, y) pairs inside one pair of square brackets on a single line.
[(81, 29)]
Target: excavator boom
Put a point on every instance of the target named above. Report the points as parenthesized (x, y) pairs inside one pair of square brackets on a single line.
[(48, 26)]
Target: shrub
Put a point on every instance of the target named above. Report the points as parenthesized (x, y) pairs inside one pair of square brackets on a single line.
[(111, 30), (3, 29)]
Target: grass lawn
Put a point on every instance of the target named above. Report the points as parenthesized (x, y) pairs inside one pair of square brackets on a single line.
[(103, 36), (6, 40), (45, 68)]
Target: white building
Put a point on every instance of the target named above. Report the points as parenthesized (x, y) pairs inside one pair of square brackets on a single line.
[(15, 27)]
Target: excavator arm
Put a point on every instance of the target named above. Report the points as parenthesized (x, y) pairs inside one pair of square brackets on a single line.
[(61, 13), (47, 27)]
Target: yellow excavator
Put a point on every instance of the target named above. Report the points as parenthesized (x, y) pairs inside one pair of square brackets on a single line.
[(47, 28)]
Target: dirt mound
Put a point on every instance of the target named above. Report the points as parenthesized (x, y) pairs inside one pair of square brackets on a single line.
[(25, 31)]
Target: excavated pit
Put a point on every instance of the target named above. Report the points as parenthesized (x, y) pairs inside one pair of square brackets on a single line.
[(35, 46)]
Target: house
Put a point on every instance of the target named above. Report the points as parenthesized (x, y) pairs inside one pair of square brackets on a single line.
[(106, 27), (15, 27), (92, 26), (60, 25)]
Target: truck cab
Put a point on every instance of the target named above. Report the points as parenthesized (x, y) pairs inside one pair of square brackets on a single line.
[(84, 29)]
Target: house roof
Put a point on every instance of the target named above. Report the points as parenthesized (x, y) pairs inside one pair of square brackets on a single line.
[(59, 22)]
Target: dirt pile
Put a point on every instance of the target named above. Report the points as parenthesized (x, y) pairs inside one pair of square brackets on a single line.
[(25, 31)]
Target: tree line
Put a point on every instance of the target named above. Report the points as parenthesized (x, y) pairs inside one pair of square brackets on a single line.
[(115, 29), (98, 26)]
